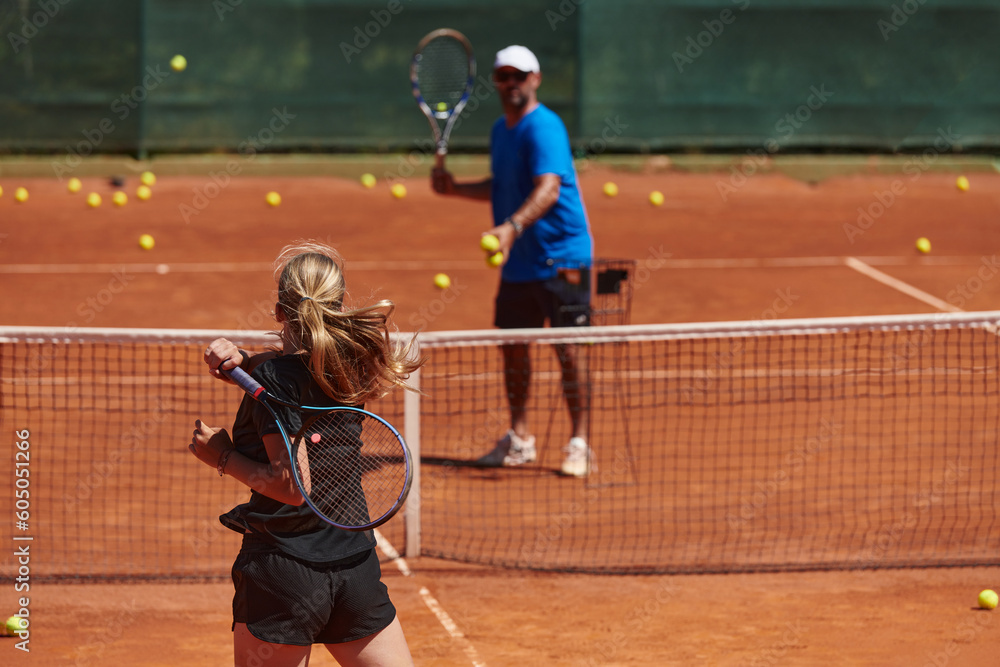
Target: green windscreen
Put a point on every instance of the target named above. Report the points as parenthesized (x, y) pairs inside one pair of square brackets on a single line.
[(64, 69), (85, 76), (337, 72), (812, 73)]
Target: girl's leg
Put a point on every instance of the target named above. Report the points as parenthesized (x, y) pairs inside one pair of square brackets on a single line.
[(249, 651), (386, 648)]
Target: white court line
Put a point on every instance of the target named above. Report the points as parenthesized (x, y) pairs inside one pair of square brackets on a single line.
[(207, 267), (905, 288), (453, 265), (442, 616), (228, 267), (449, 625)]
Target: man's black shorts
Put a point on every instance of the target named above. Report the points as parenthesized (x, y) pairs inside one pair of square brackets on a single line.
[(564, 301), (284, 600)]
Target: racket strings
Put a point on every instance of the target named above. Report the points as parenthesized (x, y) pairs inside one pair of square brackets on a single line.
[(352, 468), (443, 70)]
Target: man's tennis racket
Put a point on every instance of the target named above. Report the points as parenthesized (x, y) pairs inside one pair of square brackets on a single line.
[(442, 73), (352, 467)]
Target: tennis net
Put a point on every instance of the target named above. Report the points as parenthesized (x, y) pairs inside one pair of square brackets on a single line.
[(751, 446)]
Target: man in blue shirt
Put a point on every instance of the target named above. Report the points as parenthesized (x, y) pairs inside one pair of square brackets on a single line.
[(541, 224)]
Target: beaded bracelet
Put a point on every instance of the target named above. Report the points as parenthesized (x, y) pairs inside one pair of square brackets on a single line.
[(223, 460)]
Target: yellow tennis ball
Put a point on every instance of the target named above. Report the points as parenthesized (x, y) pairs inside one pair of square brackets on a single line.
[(273, 198), (143, 192), (93, 200), (962, 183), (398, 190), (21, 195), (74, 184), (923, 245), (119, 198), (148, 178), (489, 243), (656, 198), (146, 242), (442, 281), (368, 180), (16, 624), (494, 260), (988, 599), (611, 189), (178, 63), (1, 192), (442, 106)]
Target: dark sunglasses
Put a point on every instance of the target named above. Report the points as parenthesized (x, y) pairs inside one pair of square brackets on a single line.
[(502, 77)]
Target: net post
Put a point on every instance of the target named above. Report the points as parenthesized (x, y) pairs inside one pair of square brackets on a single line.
[(411, 428)]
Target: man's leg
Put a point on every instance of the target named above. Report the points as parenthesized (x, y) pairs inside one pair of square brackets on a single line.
[(517, 375), (517, 447), (576, 387)]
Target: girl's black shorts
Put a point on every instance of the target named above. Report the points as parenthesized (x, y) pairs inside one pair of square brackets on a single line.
[(285, 600)]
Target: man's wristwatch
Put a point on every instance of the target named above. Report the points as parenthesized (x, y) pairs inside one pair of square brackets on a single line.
[(518, 227)]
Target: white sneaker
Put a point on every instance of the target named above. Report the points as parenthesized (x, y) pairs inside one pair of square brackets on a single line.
[(579, 458), (511, 450)]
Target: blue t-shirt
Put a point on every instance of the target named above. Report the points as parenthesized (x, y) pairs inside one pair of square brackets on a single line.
[(539, 144)]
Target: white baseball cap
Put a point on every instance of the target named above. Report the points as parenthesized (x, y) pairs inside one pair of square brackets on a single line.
[(518, 57)]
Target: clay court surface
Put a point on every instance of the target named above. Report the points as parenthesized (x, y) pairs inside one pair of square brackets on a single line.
[(774, 246)]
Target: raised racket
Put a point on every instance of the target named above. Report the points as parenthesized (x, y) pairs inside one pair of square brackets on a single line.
[(442, 73), (352, 467)]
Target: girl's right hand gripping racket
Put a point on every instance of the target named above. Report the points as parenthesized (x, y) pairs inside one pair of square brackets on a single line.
[(352, 467), (442, 73)]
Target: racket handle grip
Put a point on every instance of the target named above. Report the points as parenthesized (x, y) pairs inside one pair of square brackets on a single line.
[(245, 382)]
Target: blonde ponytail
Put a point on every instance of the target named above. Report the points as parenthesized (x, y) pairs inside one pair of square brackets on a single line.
[(351, 354)]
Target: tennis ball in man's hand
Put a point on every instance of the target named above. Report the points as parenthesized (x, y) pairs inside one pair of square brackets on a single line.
[(923, 245), (74, 184), (93, 200), (962, 183), (146, 242), (442, 281), (398, 190), (368, 180), (656, 198), (21, 195), (494, 260), (178, 63), (273, 198), (14, 625), (988, 599), (143, 192), (489, 243), (610, 189), (148, 178)]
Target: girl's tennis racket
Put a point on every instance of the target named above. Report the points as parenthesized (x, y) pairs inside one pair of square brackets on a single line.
[(352, 467), (442, 73)]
